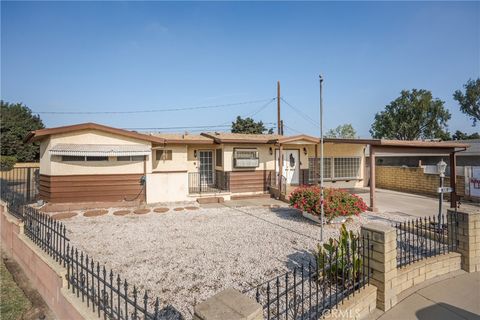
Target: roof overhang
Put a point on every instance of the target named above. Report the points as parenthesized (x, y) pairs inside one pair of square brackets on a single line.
[(41, 134)]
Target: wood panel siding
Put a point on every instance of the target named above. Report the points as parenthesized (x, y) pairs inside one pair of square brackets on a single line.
[(91, 188), (249, 181)]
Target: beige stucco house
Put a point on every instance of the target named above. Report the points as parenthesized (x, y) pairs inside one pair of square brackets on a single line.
[(91, 162)]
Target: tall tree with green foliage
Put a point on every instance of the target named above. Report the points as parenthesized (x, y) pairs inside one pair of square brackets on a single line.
[(470, 100), (16, 121), (248, 125), (344, 131), (414, 115), (459, 135)]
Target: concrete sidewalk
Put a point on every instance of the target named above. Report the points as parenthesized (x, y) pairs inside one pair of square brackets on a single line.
[(455, 296)]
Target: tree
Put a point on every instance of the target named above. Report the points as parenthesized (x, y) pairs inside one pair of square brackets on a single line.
[(16, 121), (344, 131), (470, 100), (248, 125), (414, 115), (459, 135)]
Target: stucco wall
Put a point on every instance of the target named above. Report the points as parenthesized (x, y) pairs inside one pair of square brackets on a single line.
[(178, 163), (52, 165), (167, 187)]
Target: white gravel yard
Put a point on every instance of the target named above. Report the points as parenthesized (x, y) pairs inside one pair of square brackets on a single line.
[(185, 257)]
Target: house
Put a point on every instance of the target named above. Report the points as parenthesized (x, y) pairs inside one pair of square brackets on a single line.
[(92, 162)]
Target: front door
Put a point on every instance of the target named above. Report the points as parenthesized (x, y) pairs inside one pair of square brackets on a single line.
[(291, 165), (206, 167)]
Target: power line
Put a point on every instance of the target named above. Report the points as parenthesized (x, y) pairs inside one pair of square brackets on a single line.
[(185, 127), (300, 113), (155, 110), (292, 129), (256, 111)]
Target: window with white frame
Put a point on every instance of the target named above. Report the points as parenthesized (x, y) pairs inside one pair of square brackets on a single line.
[(346, 167), (163, 154), (245, 158)]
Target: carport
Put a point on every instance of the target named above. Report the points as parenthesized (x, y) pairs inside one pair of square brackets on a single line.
[(382, 147)]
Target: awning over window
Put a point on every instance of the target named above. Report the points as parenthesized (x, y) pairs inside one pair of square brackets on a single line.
[(105, 150)]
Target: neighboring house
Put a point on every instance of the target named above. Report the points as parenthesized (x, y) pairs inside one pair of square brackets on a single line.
[(91, 162)]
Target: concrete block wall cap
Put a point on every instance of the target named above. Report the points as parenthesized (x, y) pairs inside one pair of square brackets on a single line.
[(229, 304), (378, 227)]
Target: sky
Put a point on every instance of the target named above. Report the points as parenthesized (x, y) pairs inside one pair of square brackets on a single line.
[(136, 56)]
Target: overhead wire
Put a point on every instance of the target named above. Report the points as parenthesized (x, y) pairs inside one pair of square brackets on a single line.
[(301, 113), (156, 110)]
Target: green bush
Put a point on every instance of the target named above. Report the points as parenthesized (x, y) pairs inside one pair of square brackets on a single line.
[(7, 163)]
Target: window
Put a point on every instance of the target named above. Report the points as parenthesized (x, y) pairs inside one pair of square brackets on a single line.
[(73, 158), (314, 165), (164, 155), (218, 157), (83, 158), (347, 167), (130, 158), (96, 158), (245, 158)]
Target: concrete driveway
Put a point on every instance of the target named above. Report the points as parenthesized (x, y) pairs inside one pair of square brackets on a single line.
[(404, 203)]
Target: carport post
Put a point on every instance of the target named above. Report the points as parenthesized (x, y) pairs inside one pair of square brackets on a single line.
[(453, 179), (372, 178)]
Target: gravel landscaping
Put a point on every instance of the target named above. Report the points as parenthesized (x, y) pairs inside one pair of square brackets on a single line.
[(184, 257)]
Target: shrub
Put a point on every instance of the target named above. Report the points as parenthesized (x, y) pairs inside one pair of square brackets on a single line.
[(7, 163), (337, 202), (337, 260)]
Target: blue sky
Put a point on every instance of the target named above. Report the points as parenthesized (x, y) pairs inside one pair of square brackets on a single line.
[(124, 56)]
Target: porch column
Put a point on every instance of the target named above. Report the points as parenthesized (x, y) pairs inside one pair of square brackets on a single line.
[(280, 167), (453, 180), (372, 179)]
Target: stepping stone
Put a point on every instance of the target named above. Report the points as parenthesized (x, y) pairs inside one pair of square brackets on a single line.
[(95, 213), (121, 212), (161, 210), (192, 208), (178, 209), (141, 211), (64, 215)]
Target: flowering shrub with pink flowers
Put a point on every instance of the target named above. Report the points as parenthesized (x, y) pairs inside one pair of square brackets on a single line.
[(337, 202)]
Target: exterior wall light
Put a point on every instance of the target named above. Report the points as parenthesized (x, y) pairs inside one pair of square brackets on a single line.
[(195, 154), (270, 150), (305, 151)]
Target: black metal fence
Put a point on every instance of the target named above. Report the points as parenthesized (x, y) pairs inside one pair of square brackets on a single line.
[(23, 182), (108, 295), (200, 182), (426, 237), (309, 291)]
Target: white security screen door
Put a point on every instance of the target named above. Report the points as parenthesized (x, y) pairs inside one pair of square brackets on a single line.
[(291, 165), (206, 167)]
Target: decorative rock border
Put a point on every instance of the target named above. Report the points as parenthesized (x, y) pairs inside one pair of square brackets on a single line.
[(95, 213), (64, 215)]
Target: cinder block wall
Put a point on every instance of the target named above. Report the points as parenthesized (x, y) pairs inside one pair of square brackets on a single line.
[(413, 180)]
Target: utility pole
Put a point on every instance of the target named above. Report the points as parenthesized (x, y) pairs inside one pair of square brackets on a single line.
[(279, 124), (322, 213)]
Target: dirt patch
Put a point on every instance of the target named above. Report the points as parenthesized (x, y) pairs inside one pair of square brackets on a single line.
[(191, 208), (121, 212), (160, 210), (94, 213), (141, 211), (178, 209), (64, 215), (38, 309)]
